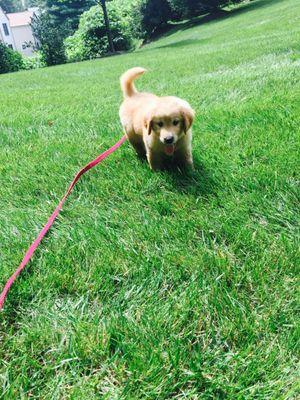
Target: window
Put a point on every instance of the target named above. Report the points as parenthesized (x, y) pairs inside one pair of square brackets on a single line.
[(5, 28), (24, 46), (10, 46)]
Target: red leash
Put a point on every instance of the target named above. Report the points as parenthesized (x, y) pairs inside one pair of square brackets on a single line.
[(50, 221)]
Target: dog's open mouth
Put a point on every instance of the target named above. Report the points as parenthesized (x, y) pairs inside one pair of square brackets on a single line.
[(169, 149)]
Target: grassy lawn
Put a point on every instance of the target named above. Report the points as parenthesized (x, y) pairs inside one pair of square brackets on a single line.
[(157, 285)]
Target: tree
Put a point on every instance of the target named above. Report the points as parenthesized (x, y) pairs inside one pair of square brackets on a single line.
[(154, 14), (190, 8), (90, 40), (66, 12), (58, 19), (107, 26), (50, 39), (11, 6)]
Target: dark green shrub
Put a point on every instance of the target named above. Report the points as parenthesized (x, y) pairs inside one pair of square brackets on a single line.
[(10, 60)]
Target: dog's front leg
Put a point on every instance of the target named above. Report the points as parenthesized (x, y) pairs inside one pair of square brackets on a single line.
[(184, 158), (154, 160)]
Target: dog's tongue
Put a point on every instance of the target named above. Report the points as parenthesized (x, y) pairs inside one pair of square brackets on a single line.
[(169, 149)]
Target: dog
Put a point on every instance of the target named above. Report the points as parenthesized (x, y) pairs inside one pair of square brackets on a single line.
[(158, 127)]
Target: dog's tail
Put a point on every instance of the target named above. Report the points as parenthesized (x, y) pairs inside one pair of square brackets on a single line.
[(127, 79)]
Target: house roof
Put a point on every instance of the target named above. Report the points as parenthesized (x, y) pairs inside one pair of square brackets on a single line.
[(20, 18)]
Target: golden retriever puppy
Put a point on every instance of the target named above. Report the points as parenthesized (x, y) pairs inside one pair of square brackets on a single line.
[(158, 127)]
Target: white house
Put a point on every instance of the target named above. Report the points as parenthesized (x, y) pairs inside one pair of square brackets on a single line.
[(16, 31), (5, 30)]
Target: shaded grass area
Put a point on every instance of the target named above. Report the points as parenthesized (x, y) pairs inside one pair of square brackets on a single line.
[(165, 285)]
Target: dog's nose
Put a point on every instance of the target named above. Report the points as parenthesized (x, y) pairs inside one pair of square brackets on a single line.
[(169, 140)]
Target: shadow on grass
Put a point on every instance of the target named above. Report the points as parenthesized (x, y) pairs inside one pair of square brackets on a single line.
[(198, 182), (181, 43)]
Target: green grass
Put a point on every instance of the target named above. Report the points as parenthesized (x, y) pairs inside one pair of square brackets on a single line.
[(157, 285)]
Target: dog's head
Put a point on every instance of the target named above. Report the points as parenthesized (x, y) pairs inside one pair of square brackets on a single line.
[(169, 122)]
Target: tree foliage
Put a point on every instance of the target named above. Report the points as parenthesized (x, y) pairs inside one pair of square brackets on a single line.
[(154, 14), (50, 38), (11, 6), (10, 60), (67, 12), (90, 40)]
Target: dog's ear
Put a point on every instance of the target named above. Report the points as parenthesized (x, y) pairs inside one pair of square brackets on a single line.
[(188, 115), (148, 125)]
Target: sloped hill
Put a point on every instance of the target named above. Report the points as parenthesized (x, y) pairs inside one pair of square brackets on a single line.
[(157, 285)]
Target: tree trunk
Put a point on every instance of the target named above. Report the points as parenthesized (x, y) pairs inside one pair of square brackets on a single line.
[(108, 31)]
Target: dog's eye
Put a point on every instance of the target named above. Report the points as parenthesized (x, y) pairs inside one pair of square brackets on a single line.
[(160, 124), (175, 122)]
